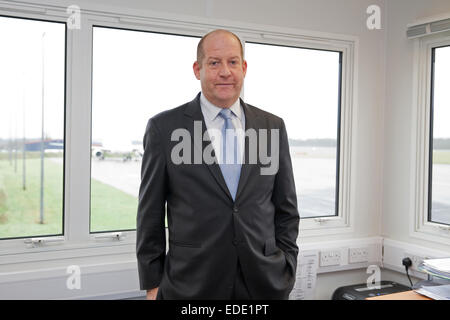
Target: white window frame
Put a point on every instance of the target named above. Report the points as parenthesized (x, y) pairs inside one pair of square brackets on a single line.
[(77, 242), (420, 227), (38, 13), (343, 222)]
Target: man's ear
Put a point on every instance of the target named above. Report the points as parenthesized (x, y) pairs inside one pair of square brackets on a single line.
[(244, 67), (196, 68)]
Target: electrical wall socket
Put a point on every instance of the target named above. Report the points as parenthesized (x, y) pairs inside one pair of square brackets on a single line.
[(416, 260), (358, 255), (330, 258)]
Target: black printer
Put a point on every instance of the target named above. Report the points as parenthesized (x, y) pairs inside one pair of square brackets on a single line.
[(363, 291)]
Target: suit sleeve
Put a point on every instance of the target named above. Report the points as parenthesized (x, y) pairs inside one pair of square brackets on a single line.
[(150, 227), (284, 198)]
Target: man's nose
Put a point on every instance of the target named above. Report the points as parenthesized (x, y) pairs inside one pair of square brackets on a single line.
[(224, 70)]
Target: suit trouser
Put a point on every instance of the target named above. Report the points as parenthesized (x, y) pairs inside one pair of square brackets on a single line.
[(239, 292)]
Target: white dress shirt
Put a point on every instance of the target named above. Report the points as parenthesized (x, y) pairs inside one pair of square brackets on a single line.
[(214, 123)]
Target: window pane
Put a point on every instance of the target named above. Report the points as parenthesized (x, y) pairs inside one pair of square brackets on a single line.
[(135, 76), (302, 87), (440, 204), (32, 64)]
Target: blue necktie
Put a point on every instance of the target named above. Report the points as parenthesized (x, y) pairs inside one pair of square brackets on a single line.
[(230, 164)]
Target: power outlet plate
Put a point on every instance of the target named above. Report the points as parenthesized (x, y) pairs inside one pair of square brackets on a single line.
[(416, 260), (330, 258), (358, 255)]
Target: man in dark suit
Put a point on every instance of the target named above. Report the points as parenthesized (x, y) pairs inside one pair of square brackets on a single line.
[(232, 226)]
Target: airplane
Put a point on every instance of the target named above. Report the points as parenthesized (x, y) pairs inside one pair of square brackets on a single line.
[(125, 152)]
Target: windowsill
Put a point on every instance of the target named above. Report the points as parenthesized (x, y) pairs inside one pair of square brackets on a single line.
[(63, 250)]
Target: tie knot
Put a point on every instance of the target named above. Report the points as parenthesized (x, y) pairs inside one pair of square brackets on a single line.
[(225, 113)]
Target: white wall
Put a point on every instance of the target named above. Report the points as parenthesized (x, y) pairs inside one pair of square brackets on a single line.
[(336, 16), (384, 84), (397, 117)]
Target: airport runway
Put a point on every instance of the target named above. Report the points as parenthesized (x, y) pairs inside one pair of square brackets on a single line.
[(125, 176), (441, 193), (315, 184)]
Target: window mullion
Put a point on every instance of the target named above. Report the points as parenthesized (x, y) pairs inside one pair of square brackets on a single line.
[(78, 120)]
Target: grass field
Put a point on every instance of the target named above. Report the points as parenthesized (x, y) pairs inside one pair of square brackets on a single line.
[(19, 209), (441, 156), (111, 209)]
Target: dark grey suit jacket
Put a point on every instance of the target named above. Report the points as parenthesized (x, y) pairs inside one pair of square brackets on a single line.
[(208, 231)]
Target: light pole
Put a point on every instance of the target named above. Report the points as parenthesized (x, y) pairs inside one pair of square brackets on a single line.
[(10, 138), (41, 221), (16, 146), (24, 158)]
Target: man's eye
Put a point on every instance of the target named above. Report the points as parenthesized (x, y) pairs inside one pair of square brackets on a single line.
[(214, 63)]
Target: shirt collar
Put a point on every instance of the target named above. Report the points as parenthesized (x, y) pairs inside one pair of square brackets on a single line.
[(211, 111)]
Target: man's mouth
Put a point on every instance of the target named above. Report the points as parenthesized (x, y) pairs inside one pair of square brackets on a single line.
[(225, 84)]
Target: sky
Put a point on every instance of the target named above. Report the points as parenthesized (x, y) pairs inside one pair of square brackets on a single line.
[(139, 74), (299, 85), (442, 93), (135, 76), (151, 69), (21, 78)]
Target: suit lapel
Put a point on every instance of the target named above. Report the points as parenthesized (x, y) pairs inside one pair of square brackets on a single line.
[(193, 113)]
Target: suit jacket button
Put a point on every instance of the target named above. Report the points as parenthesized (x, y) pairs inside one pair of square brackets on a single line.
[(235, 210)]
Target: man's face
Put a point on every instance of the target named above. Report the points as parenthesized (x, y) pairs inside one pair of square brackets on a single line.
[(222, 70)]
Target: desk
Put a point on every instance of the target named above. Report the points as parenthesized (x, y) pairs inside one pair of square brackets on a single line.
[(406, 295)]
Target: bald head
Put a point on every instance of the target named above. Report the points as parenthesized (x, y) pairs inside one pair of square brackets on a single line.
[(220, 67), (200, 46)]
